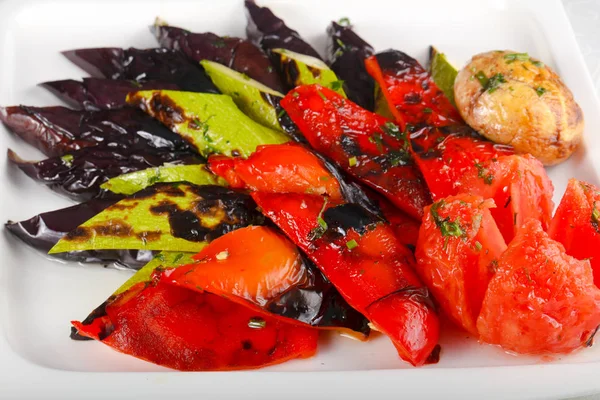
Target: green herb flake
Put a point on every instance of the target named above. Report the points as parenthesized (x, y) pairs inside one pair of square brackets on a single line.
[(538, 64), (281, 114), (540, 91), (321, 95), (494, 83), (352, 161), (351, 244), (324, 178), (336, 85), (512, 57), (483, 80), (377, 140), (478, 246), (446, 226), (295, 94), (67, 159), (177, 258), (219, 43), (427, 110), (484, 174), (341, 44), (595, 218), (257, 323), (345, 21), (320, 230)]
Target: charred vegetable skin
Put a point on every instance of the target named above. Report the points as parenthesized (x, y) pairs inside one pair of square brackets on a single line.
[(43, 231), (362, 258), (346, 55), (166, 216), (164, 65), (443, 146), (57, 131), (270, 32), (191, 331), (366, 145), (100, 94), (238, 54)]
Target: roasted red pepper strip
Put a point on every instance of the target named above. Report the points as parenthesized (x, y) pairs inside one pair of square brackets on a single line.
[(412, 96), (363, 259), (443, 146), (366, 145), (190, 331), (260, 268), (281, 168)]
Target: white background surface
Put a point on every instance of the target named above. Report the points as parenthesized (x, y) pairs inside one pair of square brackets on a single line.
[(585, 19), (36, 298)]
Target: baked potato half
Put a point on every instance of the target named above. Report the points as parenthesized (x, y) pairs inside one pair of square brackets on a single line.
[(514, 99)]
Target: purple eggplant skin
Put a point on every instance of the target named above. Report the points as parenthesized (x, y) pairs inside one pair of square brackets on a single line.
[(57, 131), (269, 32), (95, 94), (346, 55), (79, 174), (43, 231), (236, 53), (142, 65)]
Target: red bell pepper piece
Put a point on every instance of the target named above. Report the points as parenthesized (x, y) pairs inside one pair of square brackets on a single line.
[(190, 331), (260, 268), (366, 145), (282, 168), (443, 146), (361, 256)]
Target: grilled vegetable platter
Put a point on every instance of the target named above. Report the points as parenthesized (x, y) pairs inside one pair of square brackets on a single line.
[(262, 191)]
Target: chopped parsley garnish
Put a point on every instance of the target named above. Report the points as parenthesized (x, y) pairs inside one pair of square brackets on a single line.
[(320, 230), (516, 56), (321, 95), (154, 178), (336, 85), (377, 140), (392, 129), (351, 244), (446, 226), (160, 257), (219, 43), (67, 159), (352, 161), (484, 174), (427, 110), (345, 21), (478, 246), (398, 157), (281, 114), (324, 178), (538, 64), (494, 82), (540, 91), (295, 94), (483, 80), (178, 257), (595, 218), (257, 323)]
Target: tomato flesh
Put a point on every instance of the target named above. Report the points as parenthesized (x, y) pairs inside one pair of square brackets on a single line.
[(459, 244), (575, 223), (519, 186), (540, 300)]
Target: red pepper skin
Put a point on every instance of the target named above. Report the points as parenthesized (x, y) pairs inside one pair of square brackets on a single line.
[(365, 262), (190, 331), (366, 145), (282, 168), (412, 95), (443, 146), (262, 269)]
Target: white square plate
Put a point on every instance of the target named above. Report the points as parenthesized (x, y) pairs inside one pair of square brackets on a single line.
[(39, 297)]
